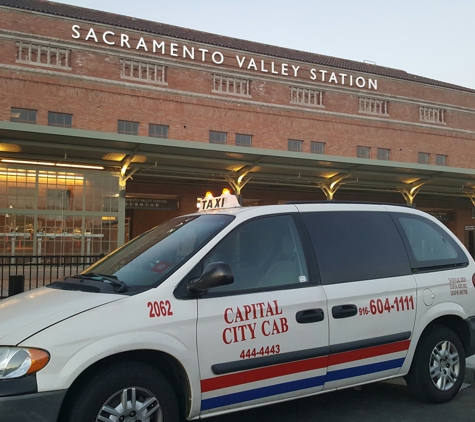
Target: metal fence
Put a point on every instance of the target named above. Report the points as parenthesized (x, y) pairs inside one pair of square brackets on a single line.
[(38, 270)]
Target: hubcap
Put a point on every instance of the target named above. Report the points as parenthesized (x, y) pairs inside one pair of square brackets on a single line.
[(131, 404), (444, 365)]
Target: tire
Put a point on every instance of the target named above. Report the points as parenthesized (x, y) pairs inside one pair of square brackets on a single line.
[(132, 389), (438, 367)]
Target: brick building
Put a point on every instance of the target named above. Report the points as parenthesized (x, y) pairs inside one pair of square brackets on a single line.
[(110, 125)]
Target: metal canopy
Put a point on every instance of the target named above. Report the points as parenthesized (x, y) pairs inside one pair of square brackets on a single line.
[(147, 158)]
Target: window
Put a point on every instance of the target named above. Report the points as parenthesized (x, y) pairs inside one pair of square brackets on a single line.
[(262, 253), (372, 106), (22, 197), (294, 145), (232, 86), (304, 96), (423, 158), (143, 71), (429, 245), (243, 140), (440, 160), (55, 207), (383, 154), (432, 115), (157, 131), (152, 257), (127, 128), (217, 137), (58, 199), (43, 55), (356, 245), (60, 119), (363, 152), (317, 147), (21, 115)]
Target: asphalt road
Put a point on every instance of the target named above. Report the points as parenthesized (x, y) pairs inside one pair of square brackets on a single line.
[(385, 402)]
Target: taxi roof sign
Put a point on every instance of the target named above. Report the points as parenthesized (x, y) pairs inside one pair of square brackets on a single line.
[(219, 202)]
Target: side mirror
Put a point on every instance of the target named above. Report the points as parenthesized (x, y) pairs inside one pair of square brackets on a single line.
[(214, 275)]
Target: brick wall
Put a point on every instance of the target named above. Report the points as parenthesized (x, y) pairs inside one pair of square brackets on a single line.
[(95, 94)]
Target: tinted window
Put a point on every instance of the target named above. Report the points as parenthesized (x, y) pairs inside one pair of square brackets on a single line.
[(429, 245), (353, 246), (265, 252)]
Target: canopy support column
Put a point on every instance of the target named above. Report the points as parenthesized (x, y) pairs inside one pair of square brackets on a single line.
[(330, 187), (238, 184), (410, 193)]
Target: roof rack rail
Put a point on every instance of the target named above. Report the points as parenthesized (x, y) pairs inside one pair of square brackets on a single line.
[(349, 202)]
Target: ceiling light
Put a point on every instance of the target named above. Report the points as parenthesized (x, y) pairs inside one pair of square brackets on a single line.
[(47, 163), (38, 163), (79, 166)]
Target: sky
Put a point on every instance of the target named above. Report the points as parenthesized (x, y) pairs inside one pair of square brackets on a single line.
[(430, 38)]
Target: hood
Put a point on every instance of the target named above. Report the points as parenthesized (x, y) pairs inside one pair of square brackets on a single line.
[(25, 314)]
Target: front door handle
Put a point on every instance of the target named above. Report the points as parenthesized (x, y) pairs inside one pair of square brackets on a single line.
[(310, 315), (344, 311)]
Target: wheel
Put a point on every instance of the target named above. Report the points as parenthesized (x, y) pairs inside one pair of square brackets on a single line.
[(438, 367), (132, 392)]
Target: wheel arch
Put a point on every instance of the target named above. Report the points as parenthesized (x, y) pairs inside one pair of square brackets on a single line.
[(457, 324), (169, 366)]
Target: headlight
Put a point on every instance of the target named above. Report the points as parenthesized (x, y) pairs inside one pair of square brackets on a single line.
[(16, 362)]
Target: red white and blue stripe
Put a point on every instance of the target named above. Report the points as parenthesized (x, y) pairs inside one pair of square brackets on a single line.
[(305, 376)]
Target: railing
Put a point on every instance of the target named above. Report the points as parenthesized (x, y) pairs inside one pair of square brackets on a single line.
[(41, 269)]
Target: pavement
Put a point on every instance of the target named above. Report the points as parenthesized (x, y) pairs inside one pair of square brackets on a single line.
[(470, 370)]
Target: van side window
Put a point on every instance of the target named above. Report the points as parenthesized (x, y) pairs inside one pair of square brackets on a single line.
[(429, 245), (356, 245), (262, 253)]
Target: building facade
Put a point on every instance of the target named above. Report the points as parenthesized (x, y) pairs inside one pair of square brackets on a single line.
[(110, 125)]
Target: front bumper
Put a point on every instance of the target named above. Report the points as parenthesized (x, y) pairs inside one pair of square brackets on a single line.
[(37, 407)]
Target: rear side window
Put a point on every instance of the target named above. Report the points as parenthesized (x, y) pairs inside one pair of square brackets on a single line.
[(430, 246), (356, 245)]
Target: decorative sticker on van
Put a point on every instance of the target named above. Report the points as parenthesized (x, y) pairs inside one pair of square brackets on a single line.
[(381, 306), (248, 322), (458, 286)]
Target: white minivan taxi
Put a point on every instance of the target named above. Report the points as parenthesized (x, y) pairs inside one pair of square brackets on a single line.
[(235, 307)]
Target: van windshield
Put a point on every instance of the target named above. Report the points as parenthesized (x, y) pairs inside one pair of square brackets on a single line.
[(149, 259)]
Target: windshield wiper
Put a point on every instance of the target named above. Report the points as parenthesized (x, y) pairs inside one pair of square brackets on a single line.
[(111, 279)]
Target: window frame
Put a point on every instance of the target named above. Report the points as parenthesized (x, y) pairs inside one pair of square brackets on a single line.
[(418, 266), (359, 149), (19, 119), (294, 142), (320, 144), (307, 255), (156, 126), (56, 115), (439, 158), (214, 134), (126, 132), (246, 138), (423, 154), (384, 157), (322, 247)]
